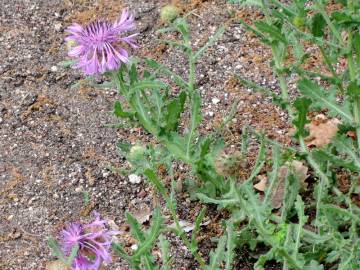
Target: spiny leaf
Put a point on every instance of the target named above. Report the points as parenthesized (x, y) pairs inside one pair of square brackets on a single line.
[(156, 182), (119, 112), (154, 231), (174, 110), (317, 26), (217, 257), (272, 31), (165, 253), (313, 91), (198, 221), (230, 245), (302, 105)]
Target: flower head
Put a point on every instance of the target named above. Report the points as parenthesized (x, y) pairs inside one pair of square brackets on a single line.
[(98, 47), (93, 240)]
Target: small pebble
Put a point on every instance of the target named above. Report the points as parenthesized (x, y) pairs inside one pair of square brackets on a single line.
[(54, 69), (215, 101), (58, 26), (134, 179)]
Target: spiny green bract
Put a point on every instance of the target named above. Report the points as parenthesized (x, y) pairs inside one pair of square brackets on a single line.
[(169, 13)]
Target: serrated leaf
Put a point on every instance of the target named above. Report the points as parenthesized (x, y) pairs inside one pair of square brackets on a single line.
[(318, 25), (198, 221), (165, 253), (162, 69), (274, 32), (156, 182), (174, 110), (217, 257), (302, 105), (147, 84), (56, 250), (315, 92), (151, 236), (119, 112), (230, 246)]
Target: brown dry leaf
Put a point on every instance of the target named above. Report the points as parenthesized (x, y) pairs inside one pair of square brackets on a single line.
[(57, 265), (278, 194), (142, 214), (261, 185), (300, 171), (322, 130)]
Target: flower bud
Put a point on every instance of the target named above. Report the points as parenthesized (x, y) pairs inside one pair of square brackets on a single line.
[(169, 13), (136, 152)]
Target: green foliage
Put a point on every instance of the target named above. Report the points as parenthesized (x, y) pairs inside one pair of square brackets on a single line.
[(292, 237)]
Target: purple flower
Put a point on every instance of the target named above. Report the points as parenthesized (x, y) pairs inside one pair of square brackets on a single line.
[(98, 47), (93, 240)]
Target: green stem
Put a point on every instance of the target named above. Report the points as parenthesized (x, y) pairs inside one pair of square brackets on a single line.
[(356, 103), (193, 110), (331, 68), (324, 180), (329, 23)]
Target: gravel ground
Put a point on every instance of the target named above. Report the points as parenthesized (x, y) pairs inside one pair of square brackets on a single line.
[(55, 145)]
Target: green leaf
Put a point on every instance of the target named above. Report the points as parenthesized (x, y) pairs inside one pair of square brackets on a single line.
[(323, 156), (165, 253), (119, 112), (272, 31), (217, 257), (317, 26), (148, 84), (222, 202), (197, 224), (194, 122), (356, 45), (174, 110), (302, 105), (154, 232), (135, 227), (133, 75), (67, 63), (120, 251), (56, 250), (313, 91), (156, 182), (73, 254), (230, 245), (162, 69), (353, 90)]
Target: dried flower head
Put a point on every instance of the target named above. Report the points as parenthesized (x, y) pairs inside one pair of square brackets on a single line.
[(99, 46), (93, 240)]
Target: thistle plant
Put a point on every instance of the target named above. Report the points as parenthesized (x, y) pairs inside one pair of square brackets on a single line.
[(292, 237)]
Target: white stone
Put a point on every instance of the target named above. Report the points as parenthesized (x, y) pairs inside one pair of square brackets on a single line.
[(57, 26), (134, 179), (54, 69), (215, 101)]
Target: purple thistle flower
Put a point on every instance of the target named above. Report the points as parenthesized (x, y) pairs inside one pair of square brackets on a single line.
[(98, 47), (94, 242)]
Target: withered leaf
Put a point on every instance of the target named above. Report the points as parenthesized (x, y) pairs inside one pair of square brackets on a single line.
[(322, 130)]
